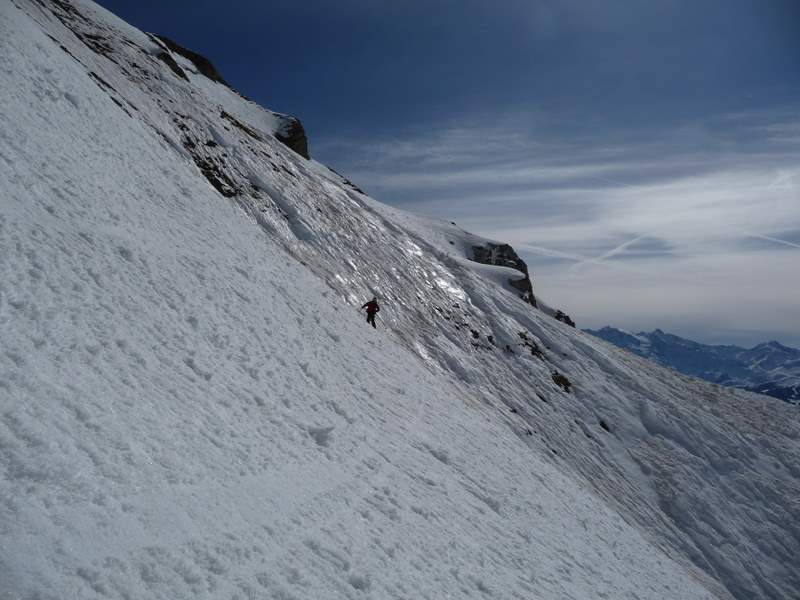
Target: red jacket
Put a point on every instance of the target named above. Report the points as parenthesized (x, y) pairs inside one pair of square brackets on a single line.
[(372, 306)]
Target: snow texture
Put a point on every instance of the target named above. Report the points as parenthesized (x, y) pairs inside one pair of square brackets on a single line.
[(191, 405)]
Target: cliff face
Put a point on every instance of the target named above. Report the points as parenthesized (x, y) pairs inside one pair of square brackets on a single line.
[(202, 64), (503, 255), (294, 136), (290, 132)]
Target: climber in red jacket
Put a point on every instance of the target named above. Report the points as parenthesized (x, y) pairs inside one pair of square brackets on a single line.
[(372, 308)]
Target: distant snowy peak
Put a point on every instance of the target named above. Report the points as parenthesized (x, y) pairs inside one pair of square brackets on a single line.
[(769, 368), (623, 339)]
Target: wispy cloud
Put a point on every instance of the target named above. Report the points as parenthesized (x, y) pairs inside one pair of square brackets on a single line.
[(628, 231)]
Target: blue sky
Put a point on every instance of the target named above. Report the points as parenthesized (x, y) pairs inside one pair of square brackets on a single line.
[(643, 157)]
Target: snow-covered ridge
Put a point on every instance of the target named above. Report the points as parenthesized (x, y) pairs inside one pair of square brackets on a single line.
[(191, 405), (768, 368)]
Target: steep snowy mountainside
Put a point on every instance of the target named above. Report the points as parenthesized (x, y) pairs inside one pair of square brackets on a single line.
[(189, 412), (769, 368), (193, 407)]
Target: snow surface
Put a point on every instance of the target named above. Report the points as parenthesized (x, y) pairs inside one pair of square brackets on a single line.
[(191, 405)]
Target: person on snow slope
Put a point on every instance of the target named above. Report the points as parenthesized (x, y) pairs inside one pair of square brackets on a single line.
[(372, 309)]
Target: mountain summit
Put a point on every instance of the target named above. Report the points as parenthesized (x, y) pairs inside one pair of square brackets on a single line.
[(192, 405), (769, 368)]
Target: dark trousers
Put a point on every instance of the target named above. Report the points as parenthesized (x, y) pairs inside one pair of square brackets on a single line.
[(371, 318)]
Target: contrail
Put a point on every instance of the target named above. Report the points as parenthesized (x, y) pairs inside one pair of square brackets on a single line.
[(782, 178), (611, 253), (577, 258), (607, 180), (550, 252), (611, 265), (770, 239)]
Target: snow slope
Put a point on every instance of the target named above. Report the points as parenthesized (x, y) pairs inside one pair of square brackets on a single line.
[(191, 405)]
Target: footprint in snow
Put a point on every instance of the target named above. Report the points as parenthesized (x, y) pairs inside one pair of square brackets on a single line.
[(321, 435)]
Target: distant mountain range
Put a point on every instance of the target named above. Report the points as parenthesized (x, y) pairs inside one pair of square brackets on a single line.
[(769, 368)]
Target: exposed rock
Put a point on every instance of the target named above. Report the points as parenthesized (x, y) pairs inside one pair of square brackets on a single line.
[(564, 318), (503, 255), (203, 65), (532, 346), (348, 182), (78, 23), (170, 62), (239, 125), (562, 381), (499, 254), (209, 157), (293, 135), (112, 93), (102, 83), (211, 171)]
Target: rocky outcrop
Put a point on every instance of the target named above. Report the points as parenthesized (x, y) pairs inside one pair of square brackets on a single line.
[(561, 381), (293, 135), (203, 65), (170, 62), (503, 255), (564, 318)]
